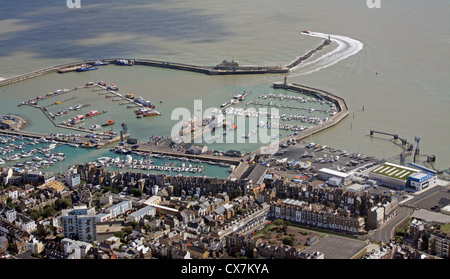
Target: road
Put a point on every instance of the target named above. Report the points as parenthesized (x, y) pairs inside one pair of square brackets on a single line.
[(404, 211)]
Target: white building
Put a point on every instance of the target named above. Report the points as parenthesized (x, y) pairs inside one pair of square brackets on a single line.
[(78, 249), (9, 214), (375, 217), (421, 180), (26, 223), (114, 211), (35, 246), (446, 209), (13, 194), (153, 200), (392, 175), (106, 199), (73, 179), (335, 178), (141, 213)]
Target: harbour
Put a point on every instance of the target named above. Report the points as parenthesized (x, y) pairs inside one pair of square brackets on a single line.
[(168, 128)]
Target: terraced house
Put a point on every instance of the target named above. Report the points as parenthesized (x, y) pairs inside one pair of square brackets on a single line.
[(317, 215)]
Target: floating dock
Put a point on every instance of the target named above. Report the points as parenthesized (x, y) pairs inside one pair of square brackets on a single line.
[(83, 141)]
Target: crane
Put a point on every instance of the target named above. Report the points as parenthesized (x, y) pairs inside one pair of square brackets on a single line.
[(415, 149)]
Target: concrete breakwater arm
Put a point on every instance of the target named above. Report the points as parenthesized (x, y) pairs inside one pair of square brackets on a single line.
[(308, 55), (338, 101), (209, 70)]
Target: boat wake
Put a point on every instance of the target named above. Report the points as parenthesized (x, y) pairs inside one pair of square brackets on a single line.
[(346, 48)]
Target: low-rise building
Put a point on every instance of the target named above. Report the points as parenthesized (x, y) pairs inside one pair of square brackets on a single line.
[(317, 215), (196, 149), (114, 211), (392, 175), (141, 213), (421, 180), (335, 178), (78, 249), (439, 245)]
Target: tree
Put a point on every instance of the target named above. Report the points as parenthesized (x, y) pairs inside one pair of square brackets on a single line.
[(289, 240), (236, 193), (41, 230), (278, 222), (136, 192), (63, 203), (128, 230)]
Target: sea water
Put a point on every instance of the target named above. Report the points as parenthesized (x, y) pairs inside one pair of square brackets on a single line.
[(399, 75)]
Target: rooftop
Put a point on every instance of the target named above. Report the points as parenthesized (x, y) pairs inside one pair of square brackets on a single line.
[(335, 173), (395, 171), (431, 217)]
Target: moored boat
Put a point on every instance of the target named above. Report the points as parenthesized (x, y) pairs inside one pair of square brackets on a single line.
[(110, 122)]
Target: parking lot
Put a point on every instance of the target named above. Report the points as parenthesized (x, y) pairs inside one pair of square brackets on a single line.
[(323, 157), (335, 247)]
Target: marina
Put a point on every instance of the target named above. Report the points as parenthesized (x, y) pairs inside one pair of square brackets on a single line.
[(164, 130)]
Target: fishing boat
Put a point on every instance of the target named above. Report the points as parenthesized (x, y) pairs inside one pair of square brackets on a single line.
[(78, 119), (92, 113), (110, 122), (124, 62), (85, 67), (100, 63)]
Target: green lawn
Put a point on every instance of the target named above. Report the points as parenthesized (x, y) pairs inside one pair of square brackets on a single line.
[(445, 228), (398, 173)]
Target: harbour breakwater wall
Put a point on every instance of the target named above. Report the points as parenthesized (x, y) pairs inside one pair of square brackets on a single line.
[(38, 73), (308, 55), (335, 119), (209, 70)]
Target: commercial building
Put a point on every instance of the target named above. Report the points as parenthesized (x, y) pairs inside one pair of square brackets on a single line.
[(421, 180), (392, 175), (114, 211), (79, 223), (141, 213), (335, 178), (196, 149)]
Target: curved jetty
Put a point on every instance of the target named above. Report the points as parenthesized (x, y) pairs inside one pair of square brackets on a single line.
[(309, 54)]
